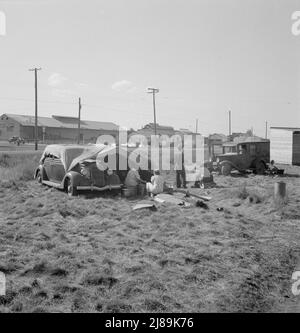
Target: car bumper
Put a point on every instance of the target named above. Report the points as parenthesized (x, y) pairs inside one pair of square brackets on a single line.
[(98, 189)]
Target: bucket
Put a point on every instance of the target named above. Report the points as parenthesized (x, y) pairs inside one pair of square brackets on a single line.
[(130, 192)]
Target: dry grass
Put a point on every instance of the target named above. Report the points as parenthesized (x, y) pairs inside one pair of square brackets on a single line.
[(18, 166), (94, 254)]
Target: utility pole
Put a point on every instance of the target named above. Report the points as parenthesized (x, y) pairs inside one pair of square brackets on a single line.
[(229, 114), (196, 126), (35, 70), (154, 91), (79, 118), (266, 130)]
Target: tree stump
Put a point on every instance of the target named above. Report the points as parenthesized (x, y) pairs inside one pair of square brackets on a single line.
[(280, 192)]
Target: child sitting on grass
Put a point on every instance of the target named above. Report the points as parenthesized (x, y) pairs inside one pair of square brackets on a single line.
[(157, 184)]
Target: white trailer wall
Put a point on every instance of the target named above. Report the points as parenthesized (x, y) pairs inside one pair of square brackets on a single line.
[(281, 148)]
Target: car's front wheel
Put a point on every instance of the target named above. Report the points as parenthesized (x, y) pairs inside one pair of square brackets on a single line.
[(39, 177), (71, 189)]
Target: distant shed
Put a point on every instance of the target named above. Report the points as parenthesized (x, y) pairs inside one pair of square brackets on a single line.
[(285, 145)]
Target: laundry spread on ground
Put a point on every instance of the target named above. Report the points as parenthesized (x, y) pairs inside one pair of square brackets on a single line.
[(145, 204)]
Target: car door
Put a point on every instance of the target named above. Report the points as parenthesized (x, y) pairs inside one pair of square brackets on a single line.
[(254, 151), (47, 167), (244, 156)]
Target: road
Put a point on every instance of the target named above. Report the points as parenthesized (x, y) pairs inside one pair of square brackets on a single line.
[(7, 147)]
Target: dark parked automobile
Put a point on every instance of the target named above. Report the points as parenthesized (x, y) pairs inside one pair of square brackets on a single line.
[(244, 156), (16, 140), (74, 168)]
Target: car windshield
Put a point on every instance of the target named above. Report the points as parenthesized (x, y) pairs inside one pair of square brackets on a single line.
[(242, 149)]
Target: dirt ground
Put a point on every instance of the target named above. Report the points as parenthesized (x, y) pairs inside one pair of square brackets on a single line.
[(95, 254)]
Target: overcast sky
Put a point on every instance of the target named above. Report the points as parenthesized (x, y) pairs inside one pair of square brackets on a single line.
[(205, 56)]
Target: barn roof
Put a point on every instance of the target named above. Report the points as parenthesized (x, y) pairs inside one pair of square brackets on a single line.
[(30, 120), (62, 122)]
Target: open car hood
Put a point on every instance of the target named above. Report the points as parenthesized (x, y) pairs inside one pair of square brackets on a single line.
[(91, 155), (72, 155)]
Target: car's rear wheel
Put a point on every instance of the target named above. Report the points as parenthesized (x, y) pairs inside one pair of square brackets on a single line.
[(260, 168), (70, 188), (226, 169)]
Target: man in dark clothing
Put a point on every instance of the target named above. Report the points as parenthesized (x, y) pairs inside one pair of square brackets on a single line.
[(180, 178), (180, 170)]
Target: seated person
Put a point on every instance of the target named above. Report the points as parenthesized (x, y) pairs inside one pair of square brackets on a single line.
[(273, 168), (133, 178), (205, 178), (112, 178), (157, 184)]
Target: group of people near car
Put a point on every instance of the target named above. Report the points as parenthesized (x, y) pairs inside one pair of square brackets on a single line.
[(154, 187), (156, 184), (153, 182)]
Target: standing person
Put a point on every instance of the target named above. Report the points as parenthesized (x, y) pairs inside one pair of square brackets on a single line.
[(179, 167), (157, 184)]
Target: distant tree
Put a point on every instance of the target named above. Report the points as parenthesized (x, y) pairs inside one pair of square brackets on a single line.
[(249, 132)]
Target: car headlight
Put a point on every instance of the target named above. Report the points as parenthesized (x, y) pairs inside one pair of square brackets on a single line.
[(218, 160), (85, 171)]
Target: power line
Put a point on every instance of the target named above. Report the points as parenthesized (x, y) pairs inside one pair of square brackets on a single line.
[(40, 101), (87, 106), (71, 103)]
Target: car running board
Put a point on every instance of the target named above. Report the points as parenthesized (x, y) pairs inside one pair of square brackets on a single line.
[(52, 184)]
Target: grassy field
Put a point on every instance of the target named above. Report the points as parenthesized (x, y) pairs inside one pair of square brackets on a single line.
[(18, 166), (94, 254)]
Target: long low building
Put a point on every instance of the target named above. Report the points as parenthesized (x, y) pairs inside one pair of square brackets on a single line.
[(56, 129), (285, 145)]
